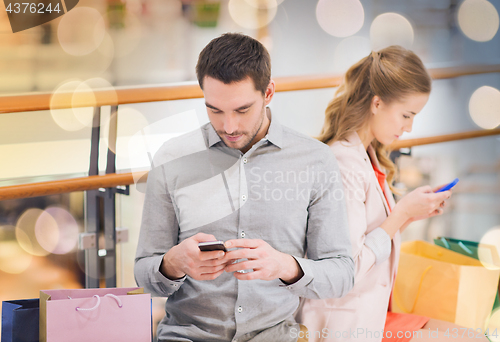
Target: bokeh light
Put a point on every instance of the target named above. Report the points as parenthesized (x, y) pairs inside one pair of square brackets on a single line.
[(265, 3), (81, 31), (13, 259), (62, 97), (248, 16), (130, 121), (75, 94), (391, 29), (106, 50), (25, 232), (484, 107), (494, 326), (490, 241), (478, 20), (56, 230), (340, 18), (127, 38), (83, 95), (350, 51)]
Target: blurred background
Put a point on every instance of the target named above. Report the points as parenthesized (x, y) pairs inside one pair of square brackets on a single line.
[(114, 44)]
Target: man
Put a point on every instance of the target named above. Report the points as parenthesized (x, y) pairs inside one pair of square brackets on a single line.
[(270, 193)]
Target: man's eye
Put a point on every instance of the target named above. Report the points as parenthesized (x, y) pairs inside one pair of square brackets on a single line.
[(216, 111), (406, 116), (242, 111)]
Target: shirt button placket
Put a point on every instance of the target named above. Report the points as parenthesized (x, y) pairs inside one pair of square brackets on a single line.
[(243, 196)]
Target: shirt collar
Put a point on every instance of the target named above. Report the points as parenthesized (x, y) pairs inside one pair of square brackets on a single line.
[(213, 137), (274, 133), (369, 154)]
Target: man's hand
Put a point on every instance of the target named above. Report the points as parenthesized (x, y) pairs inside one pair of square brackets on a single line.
[(186, 258), (266, 262)]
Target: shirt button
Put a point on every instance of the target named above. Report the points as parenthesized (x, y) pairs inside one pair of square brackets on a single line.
[(242, 234), (240, 309), (244, 197), (245, 160)]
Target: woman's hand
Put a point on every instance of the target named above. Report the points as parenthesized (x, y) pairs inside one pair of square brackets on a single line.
[(422, 203), (419, 204)]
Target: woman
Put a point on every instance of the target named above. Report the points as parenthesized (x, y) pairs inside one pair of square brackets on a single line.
[(378, 101)]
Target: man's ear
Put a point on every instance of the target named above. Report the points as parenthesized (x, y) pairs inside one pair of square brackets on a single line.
[(268, 96), (375, 104)]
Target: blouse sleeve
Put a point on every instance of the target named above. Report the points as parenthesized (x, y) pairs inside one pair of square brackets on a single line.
[(368, 249)]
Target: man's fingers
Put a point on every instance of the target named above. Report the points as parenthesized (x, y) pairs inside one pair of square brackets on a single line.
[(211, 269), (242, 254), (210, 255), (202, 237), (242, 265), (243, 243), (249, 276)]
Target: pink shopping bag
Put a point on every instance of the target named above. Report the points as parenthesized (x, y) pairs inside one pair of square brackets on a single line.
[(111, 314)]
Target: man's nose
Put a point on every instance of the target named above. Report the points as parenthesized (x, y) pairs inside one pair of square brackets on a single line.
[(231, 123)]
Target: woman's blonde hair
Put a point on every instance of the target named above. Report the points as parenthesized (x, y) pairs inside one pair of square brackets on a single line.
[(391, 74)]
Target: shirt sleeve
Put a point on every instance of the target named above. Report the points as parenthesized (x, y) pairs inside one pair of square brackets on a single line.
[(159, 232), (329, 266)]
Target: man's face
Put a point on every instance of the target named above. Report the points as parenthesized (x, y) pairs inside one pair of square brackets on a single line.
[(237, 111)]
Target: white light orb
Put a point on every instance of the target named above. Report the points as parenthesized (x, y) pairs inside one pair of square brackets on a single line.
[(484, 107), (81, 31), (251, 17), (340, 18), (478, 20), (391, 29)]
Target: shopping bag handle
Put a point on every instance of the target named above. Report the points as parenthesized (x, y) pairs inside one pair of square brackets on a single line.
[(398, 302), (461, 244), (445, 243), (118, 301)]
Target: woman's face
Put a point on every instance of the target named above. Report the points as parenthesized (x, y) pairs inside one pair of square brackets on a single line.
[(390, 120)]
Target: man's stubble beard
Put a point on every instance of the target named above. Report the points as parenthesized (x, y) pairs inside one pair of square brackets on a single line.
[(220, 133)]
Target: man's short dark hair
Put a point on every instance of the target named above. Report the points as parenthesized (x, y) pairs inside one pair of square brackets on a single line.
[(233, 57)]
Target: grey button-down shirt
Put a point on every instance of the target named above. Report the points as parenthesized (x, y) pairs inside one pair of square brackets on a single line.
[(286, 190)]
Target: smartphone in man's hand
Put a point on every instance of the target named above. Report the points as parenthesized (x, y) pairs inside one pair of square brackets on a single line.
[(212, 246)]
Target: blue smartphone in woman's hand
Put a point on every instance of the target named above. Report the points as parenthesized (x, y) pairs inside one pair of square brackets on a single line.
[(448, 186)]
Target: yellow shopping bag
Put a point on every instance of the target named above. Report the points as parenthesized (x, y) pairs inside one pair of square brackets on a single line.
[(438, 283)]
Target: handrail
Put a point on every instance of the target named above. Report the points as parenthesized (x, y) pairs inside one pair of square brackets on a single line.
[(114, 180), (191, 90), (68, 185), (406, 143)]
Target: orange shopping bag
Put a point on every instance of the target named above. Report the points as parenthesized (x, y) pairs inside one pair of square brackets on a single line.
[(438, 283)]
